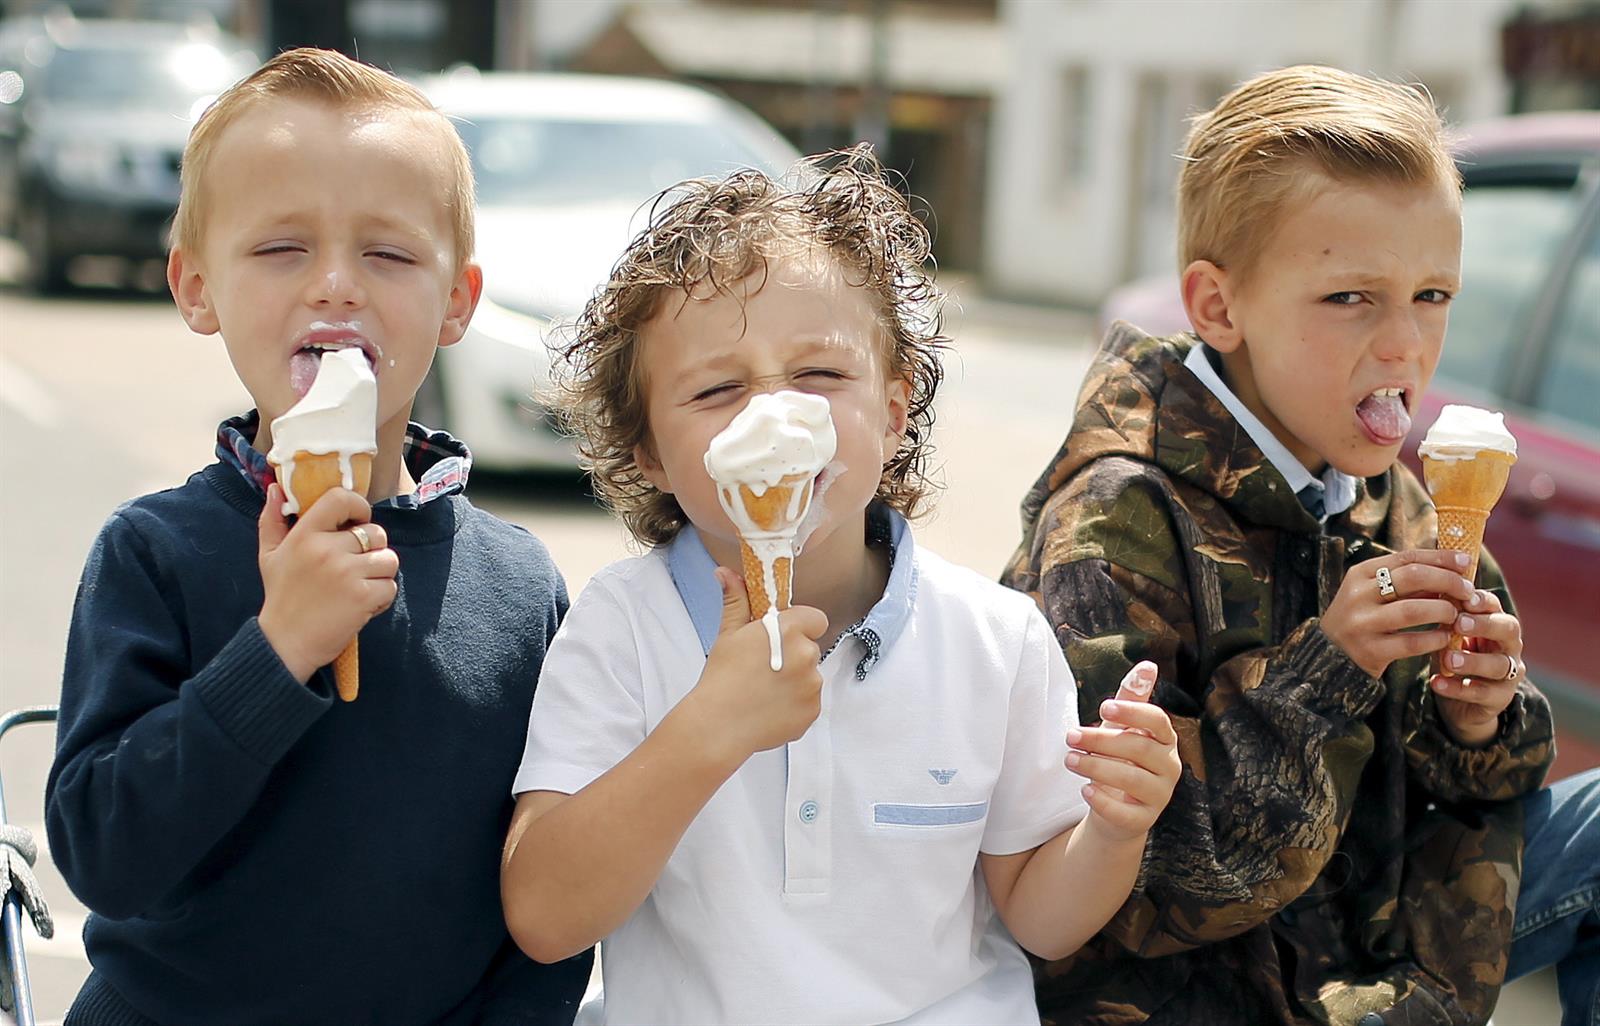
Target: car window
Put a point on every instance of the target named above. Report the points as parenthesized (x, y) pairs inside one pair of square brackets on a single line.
[(525, 161), (169, 78), (1571, 380), (1511, 233)]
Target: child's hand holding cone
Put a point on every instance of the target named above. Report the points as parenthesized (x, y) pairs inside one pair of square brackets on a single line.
[(321, 587)]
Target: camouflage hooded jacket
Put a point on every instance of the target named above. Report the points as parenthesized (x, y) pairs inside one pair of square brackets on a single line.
[(1330, 851)]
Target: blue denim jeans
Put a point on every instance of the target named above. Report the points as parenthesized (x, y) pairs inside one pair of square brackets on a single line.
[(1558, 909)]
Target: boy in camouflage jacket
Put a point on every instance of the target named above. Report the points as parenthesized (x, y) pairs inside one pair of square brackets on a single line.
[(1345, 844)]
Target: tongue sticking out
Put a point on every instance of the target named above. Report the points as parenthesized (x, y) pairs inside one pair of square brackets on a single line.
[(1385, 417), (303, 367)]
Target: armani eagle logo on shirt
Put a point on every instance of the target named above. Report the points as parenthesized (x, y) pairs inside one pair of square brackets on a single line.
[(942, 776)]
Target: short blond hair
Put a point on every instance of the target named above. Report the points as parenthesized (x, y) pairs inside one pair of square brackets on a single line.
[(1245, 157), (329, 77), (712, 233)]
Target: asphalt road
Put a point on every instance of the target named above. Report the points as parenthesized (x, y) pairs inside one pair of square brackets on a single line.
[(105, 395)]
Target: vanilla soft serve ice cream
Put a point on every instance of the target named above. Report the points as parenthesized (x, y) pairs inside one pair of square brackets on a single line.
[(1461, 432), (337, 416), (1466, 461), (765, 464)]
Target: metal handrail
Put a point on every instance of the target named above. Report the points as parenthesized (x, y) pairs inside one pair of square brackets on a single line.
[(11, 915)]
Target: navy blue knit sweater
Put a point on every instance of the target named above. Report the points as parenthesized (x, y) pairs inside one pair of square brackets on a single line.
[(255, 851)]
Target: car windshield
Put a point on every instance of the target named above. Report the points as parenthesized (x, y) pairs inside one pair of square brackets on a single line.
[(169, 78), (1511, 233), (522, 161)]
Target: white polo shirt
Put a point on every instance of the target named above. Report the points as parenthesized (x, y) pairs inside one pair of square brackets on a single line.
[(834, 879)]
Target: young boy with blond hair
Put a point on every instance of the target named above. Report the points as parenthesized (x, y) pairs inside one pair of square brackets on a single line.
[(857, 836), (1345, 843), (252, 850)]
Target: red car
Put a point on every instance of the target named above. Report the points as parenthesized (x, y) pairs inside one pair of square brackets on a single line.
[(1524, 338)]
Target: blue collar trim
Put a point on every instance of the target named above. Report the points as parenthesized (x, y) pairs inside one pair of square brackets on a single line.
[(693, 574)]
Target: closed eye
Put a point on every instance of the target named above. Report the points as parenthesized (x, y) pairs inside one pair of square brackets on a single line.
[(389, 254), (714, 391), (280, 247), (824, 372)]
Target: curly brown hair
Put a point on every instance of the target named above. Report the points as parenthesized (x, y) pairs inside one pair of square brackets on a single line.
[(716, 233)]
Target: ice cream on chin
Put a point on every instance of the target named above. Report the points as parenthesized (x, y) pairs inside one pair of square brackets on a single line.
[(765, 465), (1466, 461), (328, 440), (322, 439)]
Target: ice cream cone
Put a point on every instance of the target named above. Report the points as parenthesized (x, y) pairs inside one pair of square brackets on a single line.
[(756, 581), (1464, 490), (767, 552), (1466, 461), (778, 509), (305, 477)]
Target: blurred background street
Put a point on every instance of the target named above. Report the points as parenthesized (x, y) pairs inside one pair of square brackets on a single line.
[(1037, 135)]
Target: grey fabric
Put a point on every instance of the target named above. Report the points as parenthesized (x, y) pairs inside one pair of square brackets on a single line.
[(18, 853)]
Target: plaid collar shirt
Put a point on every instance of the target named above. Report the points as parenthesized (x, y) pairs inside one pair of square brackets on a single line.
[(437, 462)]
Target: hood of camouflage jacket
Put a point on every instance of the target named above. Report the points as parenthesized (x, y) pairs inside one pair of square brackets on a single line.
[(1138, 400)]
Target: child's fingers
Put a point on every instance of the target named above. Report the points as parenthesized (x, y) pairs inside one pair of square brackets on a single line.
[(1128, 817), (1482, 667), (1424, 579), (1503, 629), (1135, 746), (380, 564), (809, 621), (1140, 716), (1485, 601), (735, 600), (1390, 647), (1136, 781), (1137, 684), (1404, 614), (1492, 694), (370, 538), (336, 508), (272, 527), (379, 593), (1447, 558)]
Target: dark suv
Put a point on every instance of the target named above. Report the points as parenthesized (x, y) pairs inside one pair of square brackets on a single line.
[(93, 118)]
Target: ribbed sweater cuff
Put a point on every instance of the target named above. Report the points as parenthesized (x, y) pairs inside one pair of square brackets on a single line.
[(253, 697), (1325, 679), (98, 1005)]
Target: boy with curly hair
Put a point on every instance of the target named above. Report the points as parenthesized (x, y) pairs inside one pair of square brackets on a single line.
[(858, 836), (1345, 844)]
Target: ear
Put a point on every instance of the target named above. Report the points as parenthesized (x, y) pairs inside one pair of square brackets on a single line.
[(1208, 295), (644, 457), (898, 395), (463, 301), (187, 282)]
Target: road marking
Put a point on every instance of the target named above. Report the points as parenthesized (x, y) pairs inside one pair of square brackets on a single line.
[(24, 393)]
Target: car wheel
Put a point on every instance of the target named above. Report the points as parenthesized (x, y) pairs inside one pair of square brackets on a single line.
[(431, 409), (46, 265)]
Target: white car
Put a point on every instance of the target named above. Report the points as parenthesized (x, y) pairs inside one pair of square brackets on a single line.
[(566, 166)]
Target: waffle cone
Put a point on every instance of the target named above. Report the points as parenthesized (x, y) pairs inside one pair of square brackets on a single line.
[(1464, 491), (313, 474), (306, 480), (1474, 483), (755, 580), (779, 509)]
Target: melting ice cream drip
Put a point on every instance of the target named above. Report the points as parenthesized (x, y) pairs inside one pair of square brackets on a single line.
[(338, 415), (781, 440)]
